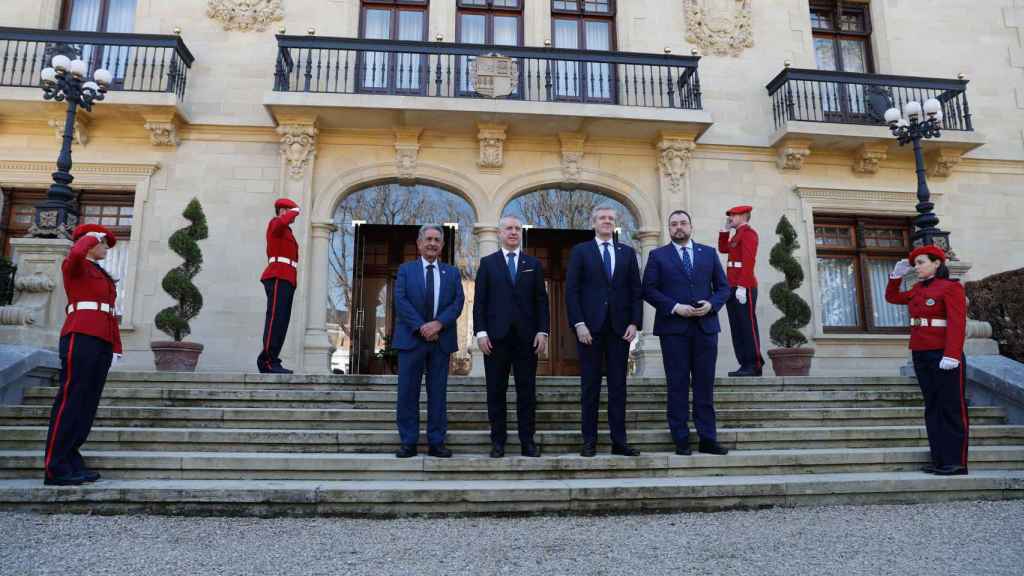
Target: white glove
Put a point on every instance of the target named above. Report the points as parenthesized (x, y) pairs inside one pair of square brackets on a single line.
[(97, 235), (728, 224), (115, 359), (296, 210), (900, 269), (741, 295), (948, 363)]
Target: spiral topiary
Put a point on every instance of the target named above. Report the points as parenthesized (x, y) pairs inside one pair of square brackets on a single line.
[(173, 320), (785, 332)]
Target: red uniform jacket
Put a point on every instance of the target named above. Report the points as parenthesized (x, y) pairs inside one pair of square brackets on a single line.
[(742, 248), (281, 244), (936, 298), (85, 281)]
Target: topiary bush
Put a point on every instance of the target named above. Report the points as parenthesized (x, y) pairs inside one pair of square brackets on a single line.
[(785, 332), (173, 320)]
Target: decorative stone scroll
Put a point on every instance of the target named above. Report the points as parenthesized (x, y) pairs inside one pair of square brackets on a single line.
[(298, 145), (674, 159), (720, 27)]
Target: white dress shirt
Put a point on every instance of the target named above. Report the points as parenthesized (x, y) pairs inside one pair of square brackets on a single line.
[(517, 257), (611, 250), (437, 281), (679, 252)]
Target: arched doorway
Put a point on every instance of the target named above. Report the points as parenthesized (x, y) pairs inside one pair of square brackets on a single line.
[(554, 220), (376, 232)]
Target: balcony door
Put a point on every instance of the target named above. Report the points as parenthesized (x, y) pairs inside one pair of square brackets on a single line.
[(842, 37), (102, 16), (579, 25), (393, 72), (491, 22)]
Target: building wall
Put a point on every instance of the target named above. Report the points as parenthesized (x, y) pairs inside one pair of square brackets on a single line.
[(229, 154)]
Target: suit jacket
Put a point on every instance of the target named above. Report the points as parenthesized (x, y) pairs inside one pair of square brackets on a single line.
[(666, 284), (86, 281), (499, 304), (410, 297), (281, 243), (590, 297)]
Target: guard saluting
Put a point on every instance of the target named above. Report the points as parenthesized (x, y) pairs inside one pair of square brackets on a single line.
[(279, 281), (938, 324), (88, 342), (742, 303)]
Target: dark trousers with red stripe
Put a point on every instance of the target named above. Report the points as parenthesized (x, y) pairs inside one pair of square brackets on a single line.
[(275, 325), (945, 408), (746, 339), (84, 363)]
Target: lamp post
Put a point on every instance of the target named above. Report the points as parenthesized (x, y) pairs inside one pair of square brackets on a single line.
[(57, 216), (917, 122)]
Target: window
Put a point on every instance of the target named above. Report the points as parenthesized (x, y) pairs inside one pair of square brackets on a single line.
[(584, 25), (493, 22), (102, 16), (855, 256), (842, 35), (391, 72)]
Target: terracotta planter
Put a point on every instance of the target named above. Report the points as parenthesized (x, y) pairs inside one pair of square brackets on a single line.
[(791, 361), (172, 356)]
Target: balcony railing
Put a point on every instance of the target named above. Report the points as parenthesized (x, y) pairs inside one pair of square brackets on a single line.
[(138, 62), (435, 69), (849, 98)]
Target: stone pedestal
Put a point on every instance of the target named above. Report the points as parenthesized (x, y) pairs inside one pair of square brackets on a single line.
[(37, 314), (316, 349), (648, 346), (487, 243)]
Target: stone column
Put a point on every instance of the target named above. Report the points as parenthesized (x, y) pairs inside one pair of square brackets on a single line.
[(648, 349), (317, 345), (36, 316), (487, 243)]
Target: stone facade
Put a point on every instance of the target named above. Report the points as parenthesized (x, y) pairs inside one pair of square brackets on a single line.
[(236, 145)]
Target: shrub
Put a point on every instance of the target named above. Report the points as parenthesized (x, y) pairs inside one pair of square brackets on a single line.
[(173, 320), (785, 332)]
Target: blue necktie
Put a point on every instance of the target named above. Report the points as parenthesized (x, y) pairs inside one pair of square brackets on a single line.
[(512, 266), (687, 263), (607, 261), (430, 292)]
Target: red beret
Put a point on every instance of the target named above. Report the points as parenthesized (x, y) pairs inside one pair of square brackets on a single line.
[(738, 210), (929, 249), (83, 229), (285, 203)]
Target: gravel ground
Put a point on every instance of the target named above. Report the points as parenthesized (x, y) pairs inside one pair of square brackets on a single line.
[(984, 538)]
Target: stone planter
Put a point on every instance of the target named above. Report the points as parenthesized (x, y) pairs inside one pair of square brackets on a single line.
[(172, 356), (791, 361)]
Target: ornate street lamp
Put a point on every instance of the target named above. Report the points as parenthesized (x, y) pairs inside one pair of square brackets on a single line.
[(57, 216), (912, 126)]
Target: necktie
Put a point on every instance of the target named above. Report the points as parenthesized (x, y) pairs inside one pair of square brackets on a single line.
[(687, 263), (607, 261), (430, 292), (512, 266)]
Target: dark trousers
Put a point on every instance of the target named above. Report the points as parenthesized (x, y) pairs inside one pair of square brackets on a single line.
[(425, 357), (515, 353), (945, 408), (746, 339), (610, 351), (275, 325), (689, 360), (84, 363)]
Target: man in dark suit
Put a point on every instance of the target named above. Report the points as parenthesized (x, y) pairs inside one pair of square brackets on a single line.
[(428, 301), (604, 306), (686, 285), (510, 316)]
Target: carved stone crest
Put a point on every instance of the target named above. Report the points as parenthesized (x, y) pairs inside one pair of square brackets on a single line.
[(721, 27), (674, 159), (572, 157), (407, 151), (245, 15), (494, 75), (492, 145), (298, 144)]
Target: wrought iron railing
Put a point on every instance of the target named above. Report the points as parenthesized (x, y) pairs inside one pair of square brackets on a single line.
[(849, 98), (352, 66), (138, 62)]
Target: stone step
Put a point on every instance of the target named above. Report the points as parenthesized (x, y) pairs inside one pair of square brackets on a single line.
[(478, 442), (277, 466), (550, 400), (357, 418), (383, 498)]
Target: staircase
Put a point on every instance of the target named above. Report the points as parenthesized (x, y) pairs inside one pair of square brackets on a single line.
[(249, 444)]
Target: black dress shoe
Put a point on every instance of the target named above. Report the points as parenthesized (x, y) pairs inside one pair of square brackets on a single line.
[(712, 447), (280, 370), (74, 480), (625, 450), (928, 468), (683, 450), (406, 451), (531, 450), (950, 471), (90, 475), (746, 373), (497, 451), (588, 451), (440, 451)]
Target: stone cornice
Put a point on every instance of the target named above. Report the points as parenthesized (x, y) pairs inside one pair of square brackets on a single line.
[(46, 168)]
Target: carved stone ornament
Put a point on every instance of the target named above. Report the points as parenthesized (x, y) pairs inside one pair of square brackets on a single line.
[(80, 135), (162, 133), (572, 157), (494, 75), (245, 15), (942, 162), (721, 27), (792, 155), (492, 146), (868, 159), (33, 291), (298, 144), (407, 151), (673, 160)]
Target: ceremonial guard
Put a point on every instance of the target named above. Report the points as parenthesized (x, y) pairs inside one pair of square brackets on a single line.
[(88, 341), (938, 325), (279, 280), (742, 304)]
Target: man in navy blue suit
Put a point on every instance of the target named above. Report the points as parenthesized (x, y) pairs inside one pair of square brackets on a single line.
[(428, 301), (510, 317), (686, 285), (604, 306)]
